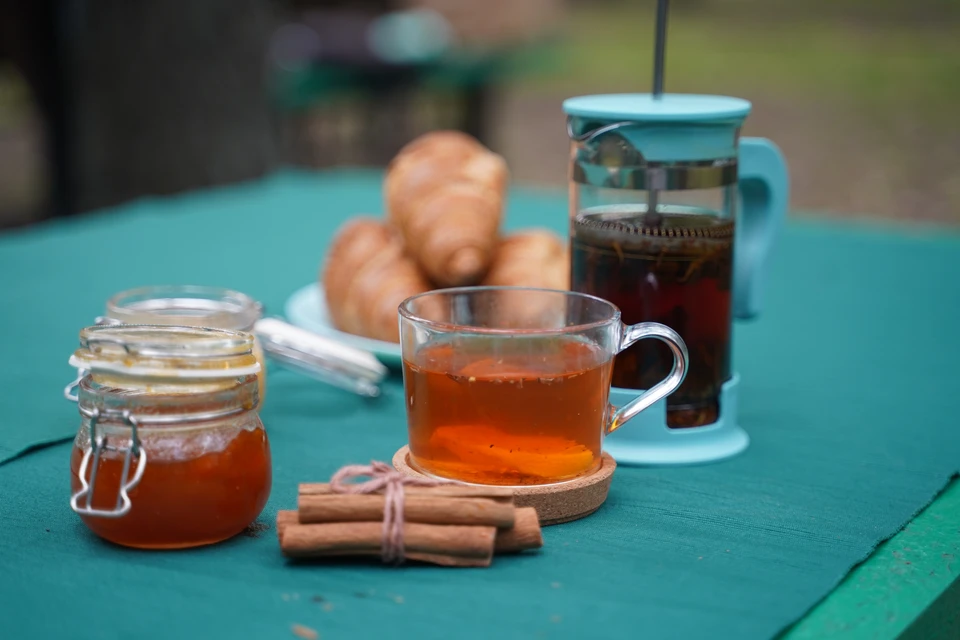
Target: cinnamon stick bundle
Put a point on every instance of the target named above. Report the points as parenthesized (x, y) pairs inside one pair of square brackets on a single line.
[(448, 525)]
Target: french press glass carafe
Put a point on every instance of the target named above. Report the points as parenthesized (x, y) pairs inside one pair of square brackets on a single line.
[(672, 218)]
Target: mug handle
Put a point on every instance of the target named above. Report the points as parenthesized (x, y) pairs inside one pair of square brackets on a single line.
[(665, 387), (764, 193)]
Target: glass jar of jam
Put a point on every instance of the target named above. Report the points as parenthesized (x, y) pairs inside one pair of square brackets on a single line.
[(171, 452)]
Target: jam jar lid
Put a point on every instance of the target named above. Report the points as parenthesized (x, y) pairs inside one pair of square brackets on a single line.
[(165, 351)]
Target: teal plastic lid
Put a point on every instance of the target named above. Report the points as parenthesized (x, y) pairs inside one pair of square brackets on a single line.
[(670, 107)]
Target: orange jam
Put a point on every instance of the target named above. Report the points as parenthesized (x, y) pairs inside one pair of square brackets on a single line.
[(199, 486)]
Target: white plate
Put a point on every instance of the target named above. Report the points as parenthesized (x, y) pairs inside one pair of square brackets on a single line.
[(307, 309)]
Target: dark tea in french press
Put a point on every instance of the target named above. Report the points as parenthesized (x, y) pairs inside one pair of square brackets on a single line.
[(672, 266)]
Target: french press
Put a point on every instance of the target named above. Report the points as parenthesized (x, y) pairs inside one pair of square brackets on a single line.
[(673, 216)]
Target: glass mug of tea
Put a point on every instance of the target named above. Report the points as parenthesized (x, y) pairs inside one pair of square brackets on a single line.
[(510, 385)]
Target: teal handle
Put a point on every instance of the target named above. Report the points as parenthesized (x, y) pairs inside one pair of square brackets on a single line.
[(764, 193)]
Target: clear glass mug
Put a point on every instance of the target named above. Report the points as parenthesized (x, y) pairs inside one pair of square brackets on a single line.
[(510, 385)]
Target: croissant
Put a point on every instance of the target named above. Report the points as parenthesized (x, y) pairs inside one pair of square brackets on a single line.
[(366, 276), (530, 258), (444, 191)]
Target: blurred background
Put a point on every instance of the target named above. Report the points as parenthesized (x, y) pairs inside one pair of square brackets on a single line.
[(104, 101)]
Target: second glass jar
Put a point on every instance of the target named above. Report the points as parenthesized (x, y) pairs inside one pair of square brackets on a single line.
[(191, 305)]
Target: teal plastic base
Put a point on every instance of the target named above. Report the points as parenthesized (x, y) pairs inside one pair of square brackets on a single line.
[(647, 440)]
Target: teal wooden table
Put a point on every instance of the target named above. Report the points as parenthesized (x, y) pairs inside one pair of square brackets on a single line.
[(619, 570), (909, 587)]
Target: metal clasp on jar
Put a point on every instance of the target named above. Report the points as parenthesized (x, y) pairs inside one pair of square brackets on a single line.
[(69, 392), (98, 445)]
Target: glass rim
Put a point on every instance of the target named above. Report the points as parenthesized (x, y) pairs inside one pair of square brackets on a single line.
[(407, 314), (223, 303), (160, 351)]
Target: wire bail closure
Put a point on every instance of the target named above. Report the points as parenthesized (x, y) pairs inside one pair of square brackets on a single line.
[(99, 444), (70, 391)]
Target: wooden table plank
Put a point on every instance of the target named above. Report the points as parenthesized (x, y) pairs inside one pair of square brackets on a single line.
[(908, 588)]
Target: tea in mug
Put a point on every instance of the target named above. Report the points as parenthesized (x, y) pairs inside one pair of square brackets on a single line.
[(672, 267), (507, 410)]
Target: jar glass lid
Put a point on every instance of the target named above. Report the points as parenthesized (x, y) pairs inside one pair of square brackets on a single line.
[(165, 351)]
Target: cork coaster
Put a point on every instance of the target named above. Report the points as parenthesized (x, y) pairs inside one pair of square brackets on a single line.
[(555, 503)]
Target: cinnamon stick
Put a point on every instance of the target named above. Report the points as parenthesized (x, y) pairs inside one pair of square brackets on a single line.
[(285, 517), (445, 490), (447, 545), (525, 533), (422, 508)]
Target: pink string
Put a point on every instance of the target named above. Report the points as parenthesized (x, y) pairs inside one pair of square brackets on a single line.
[(383, 476)]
